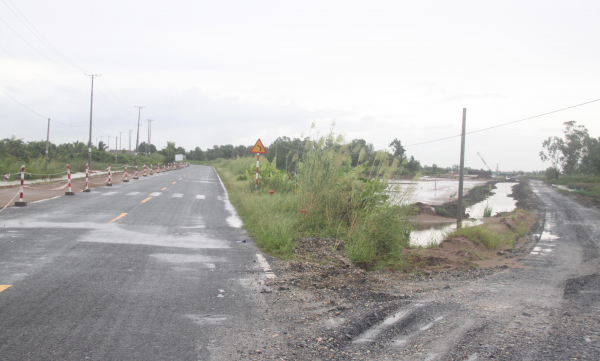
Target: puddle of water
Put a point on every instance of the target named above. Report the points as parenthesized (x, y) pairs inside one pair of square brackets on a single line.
[(114, 233), (434, 234), (206, 261), (500, 201), (435, 192), (204, 320)]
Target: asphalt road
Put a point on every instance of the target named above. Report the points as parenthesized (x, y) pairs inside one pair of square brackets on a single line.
[(154, 269)]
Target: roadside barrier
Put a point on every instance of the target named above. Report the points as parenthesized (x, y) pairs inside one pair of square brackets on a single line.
[(109, 184), (21, 202), (135, 176), (70, 192), (87, 178), (145, 175), (151, 169), (126, 180)]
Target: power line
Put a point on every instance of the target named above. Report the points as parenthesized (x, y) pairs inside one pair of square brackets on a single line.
[(501, 125), (113, 93), (38, 114), (34, 48), (41, 38), (28, 68), (23, 105)]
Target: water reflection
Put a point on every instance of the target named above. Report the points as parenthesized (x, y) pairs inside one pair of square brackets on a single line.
[(433, 233)]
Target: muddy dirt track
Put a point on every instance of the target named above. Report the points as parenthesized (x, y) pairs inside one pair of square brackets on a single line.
[(547, 310)]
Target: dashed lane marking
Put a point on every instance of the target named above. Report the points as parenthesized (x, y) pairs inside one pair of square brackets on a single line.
[(120, 216), (200, 196), (146, 200), (3, 287), (132, 193), (162, 189), (173, 182), (179, 178), (108, 193), (155, 194), (177, 195)]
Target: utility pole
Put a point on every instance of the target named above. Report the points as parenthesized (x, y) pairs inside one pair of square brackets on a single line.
[(137, 142), (47, 140), (91, 107), (148, 141), (150, 134), (130, 130), (459, 209)]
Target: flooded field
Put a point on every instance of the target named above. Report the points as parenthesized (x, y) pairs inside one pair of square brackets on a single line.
[(436, 191), (434, 232)]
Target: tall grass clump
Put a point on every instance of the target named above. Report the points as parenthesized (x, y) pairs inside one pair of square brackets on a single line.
[(487, 210), (351, 203), (323, 196)]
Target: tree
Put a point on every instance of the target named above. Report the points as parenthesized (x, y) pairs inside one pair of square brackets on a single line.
[(398, 148), (566, 153)]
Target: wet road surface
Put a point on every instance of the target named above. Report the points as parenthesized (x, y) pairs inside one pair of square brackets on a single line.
[(154, 269), (548, 310)]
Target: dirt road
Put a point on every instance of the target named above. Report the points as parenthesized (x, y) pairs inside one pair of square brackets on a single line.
[(547, 310)]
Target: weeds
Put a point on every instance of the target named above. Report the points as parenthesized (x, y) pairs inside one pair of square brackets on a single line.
[(324, 196), (487, 210)]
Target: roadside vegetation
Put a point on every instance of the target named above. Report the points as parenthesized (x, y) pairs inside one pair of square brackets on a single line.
[(574, 159), (499, 233), (15, 152), (326, 193)]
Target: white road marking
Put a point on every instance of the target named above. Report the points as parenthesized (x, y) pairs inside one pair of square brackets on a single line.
[(177, 195), (132, 193), (43, 200), (265, 266), (200, 196), (109, 193), (155, 194)]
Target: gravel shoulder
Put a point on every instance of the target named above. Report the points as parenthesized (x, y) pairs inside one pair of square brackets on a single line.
[(546, 309)]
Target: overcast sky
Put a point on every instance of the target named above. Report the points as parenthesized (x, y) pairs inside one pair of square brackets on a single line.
[(230, 72)]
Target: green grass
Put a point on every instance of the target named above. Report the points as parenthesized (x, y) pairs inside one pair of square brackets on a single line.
[(487, 210), (325, 197), (488, 238)]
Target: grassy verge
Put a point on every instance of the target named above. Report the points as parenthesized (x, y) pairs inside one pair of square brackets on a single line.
[(499, 232), (323, 197), (270, 220)]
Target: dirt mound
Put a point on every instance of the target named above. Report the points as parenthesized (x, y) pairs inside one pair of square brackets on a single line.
[(424, 209)]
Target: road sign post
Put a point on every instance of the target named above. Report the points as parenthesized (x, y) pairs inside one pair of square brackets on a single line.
[(258, 149)]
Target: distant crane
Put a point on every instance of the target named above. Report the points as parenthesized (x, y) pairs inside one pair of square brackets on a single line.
[(488, 167)]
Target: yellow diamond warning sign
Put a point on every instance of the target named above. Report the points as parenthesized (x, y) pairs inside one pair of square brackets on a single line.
[(258, 148)]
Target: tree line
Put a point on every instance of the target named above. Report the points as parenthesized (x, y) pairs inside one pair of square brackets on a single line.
[(575, 153)]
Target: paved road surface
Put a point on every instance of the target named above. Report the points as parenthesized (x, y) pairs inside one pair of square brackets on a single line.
[(153, 269)]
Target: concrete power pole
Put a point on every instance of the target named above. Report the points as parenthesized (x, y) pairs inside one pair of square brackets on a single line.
[(130, 130), (91, 107), (459, 209), (150, 134), (137, 142), (47, 140)]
